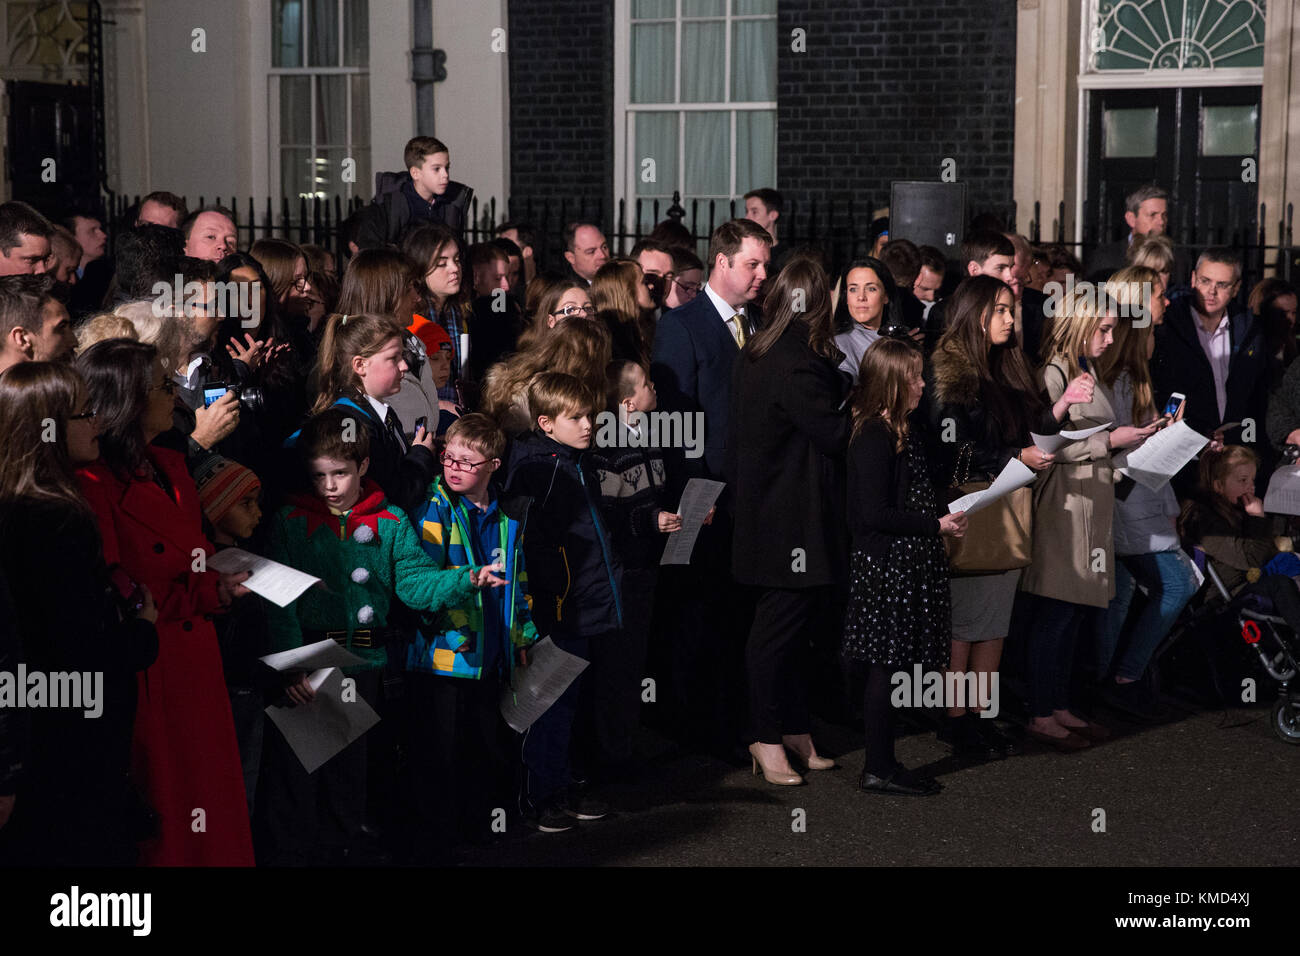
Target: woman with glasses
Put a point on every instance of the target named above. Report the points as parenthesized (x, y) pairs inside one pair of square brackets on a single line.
[(286, 267), (550, 302), (147, 510), (74, 804)]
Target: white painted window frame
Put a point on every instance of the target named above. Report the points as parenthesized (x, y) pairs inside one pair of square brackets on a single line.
[(626, 171), (274, 74)]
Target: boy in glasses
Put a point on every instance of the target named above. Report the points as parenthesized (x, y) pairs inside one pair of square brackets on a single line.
[(462, 655)]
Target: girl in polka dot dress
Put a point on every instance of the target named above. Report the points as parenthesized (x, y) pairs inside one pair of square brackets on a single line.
[(899, 612)]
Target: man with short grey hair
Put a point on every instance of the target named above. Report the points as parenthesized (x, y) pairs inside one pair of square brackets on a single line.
[(1146, 214)]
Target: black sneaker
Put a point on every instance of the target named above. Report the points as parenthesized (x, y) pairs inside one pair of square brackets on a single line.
[(584, 808), (549, 820)]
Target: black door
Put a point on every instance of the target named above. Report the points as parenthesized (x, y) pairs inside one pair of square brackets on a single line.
[(48, 121), (1192, 141)]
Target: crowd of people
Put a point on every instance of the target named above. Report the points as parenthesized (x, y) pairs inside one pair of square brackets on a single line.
[(415, 423)]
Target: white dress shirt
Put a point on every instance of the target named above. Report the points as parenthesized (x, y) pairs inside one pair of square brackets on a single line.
[(1217, 346), (726, 311)]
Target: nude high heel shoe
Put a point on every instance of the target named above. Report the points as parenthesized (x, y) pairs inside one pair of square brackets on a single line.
[(811, 761), (775, 777)]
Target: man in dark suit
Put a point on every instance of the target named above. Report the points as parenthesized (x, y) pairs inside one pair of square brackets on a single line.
[(703, 613), (696, 345), (585, 250), (1147, 214), (1211, 353)]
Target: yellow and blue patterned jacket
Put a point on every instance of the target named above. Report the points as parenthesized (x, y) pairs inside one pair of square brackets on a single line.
[(444, 531)]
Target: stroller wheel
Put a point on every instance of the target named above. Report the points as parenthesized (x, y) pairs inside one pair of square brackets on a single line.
[(1286, 721)]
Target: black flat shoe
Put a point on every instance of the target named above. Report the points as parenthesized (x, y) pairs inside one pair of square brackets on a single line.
[(900, 783), (994, 737), (966, 739)]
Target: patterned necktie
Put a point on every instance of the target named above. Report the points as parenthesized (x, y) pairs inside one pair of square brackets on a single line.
[(738, 321)]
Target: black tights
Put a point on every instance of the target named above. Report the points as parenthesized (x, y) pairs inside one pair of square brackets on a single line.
[(878, 714)]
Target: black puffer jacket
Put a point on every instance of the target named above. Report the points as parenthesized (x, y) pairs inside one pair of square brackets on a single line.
[(574, 575)]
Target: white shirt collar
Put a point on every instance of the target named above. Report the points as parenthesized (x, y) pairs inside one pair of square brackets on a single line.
[(723, 308), (381, 408), (189, 378)]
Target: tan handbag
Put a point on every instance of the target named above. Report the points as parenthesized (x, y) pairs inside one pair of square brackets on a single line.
[(997, 538)]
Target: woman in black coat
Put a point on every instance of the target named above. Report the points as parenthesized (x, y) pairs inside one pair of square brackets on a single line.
[(787, 435), (73, 804)]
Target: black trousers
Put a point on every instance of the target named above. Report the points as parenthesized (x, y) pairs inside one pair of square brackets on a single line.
[(303, 819), (460, 771), (704, 620), (778, 659), (618, 666)]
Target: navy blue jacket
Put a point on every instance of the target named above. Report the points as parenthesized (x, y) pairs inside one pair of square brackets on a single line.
[(574, 576), (694, 355)]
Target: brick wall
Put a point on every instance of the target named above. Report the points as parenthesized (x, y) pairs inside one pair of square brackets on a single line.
[(561, 112), (886, 90)]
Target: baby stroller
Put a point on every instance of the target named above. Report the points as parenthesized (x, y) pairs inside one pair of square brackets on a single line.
[(1265, 636)]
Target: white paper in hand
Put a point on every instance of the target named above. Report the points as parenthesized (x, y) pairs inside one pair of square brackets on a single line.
[(319, 730), (1283, 495), (1015, 475), (1050, 443), (697, 499), (1161, 456), (539, 685), (276, 582), (312, 657)]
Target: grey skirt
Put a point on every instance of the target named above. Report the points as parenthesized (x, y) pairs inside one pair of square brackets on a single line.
[(981, 605)]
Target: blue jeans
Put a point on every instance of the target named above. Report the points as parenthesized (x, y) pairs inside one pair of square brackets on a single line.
[(1054, 632), (548, 767), (1169, 580)]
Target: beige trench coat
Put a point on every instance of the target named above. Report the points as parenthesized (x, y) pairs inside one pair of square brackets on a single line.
[(1073, 547)]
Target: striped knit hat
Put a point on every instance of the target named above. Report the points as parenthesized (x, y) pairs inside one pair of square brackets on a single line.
[(222, 484)]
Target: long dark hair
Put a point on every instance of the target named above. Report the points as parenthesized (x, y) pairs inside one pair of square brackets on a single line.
[(119, 376), (422, 245), (800, 293), (893, 314), (34, 396), (232, 327), (1007, 385)]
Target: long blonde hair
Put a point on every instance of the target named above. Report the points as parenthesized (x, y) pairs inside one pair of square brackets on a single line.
[(1078, 315), (1128, 353), (577, 348)]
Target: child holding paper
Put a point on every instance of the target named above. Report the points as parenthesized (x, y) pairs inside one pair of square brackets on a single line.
[(637, 494), (366, 552), (463, 655), (1226, 521), (576, 584), (229, 495)]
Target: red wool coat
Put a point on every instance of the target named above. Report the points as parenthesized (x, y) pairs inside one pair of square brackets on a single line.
[(185, 756)]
